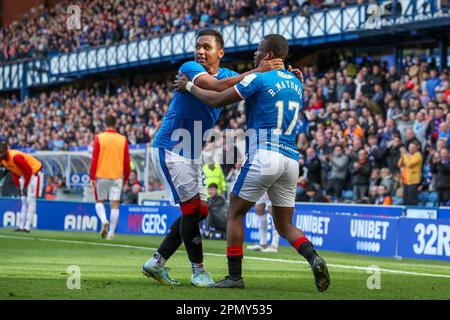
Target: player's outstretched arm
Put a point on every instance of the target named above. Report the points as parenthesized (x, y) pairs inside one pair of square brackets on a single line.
[(209, 82), (209, 97)]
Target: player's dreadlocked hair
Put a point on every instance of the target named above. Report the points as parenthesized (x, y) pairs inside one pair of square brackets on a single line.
[(277, 44)]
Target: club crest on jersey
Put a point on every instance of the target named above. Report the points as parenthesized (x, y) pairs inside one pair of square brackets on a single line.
[(284, 75)]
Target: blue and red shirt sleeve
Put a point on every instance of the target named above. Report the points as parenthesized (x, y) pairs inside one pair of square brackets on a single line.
[(94, 160)]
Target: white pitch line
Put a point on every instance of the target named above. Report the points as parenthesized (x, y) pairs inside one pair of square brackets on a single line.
[(222, 255)]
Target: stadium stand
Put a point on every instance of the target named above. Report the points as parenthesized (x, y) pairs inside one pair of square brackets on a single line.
[(111, 22)]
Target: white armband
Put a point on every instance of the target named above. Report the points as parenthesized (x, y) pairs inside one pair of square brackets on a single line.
[(189, 86)]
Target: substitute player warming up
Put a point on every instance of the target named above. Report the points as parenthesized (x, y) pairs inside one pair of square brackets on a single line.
[(110, 168), (28, 177)]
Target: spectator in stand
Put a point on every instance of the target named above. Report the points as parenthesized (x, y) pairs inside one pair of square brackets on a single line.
[(411, 137), (360, 171), (432, 82), (353, 129), (392, 153), (433, 126), (375, 153), (387, 180), (131, 190), (217, 216), (214, 174), (410, 163), (311, 194), (383, 198), (440, 168), (50, 189), (312, 167), (337, 173)]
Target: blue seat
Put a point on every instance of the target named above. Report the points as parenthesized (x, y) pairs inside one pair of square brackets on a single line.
[(432, 197), (397, 201), (347, 195), (423, 196)]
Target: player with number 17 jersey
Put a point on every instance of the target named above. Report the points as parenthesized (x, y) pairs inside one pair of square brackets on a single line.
[(272, 103)]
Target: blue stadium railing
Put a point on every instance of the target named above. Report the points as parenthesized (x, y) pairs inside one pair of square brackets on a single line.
[(324, 26)]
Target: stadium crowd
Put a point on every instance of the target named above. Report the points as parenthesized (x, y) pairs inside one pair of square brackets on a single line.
[(44, 31), (368, 133), (371, 134)]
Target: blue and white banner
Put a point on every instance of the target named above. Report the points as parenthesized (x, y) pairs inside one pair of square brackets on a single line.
[(342, 233), (424, 239), (350, 209), (152, 220), (75, 216)]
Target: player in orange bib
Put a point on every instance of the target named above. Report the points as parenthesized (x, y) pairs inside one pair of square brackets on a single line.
[(28, 177), (110, 168)]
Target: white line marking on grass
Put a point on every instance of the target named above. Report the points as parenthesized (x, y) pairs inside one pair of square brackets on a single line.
[(125, 246)]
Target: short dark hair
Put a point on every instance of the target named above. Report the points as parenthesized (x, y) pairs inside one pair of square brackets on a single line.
[(277, 44), (212, 32), (213, 185), (110, 121)]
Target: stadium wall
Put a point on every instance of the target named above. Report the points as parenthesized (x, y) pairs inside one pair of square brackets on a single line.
[(365, 230)]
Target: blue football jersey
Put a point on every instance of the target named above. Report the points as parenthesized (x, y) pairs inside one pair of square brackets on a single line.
[(273, 103), (185, 123)]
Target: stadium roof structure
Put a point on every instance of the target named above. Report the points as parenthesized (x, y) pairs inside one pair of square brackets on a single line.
[(334, 25)]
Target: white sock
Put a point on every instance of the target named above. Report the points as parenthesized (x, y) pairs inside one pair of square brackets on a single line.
[(275, 238), (157, 260), (101, 212), (114, 219), (23, 213), (263, 229), (30, 213)]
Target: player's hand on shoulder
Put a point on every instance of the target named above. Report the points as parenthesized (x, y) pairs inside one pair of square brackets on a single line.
[(180, 82), (269, 65), (297, 73)]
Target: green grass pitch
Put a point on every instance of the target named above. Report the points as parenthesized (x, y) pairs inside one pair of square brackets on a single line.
[(34, 266)]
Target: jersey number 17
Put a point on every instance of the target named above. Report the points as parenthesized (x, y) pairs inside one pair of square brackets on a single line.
[(292, 105)]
